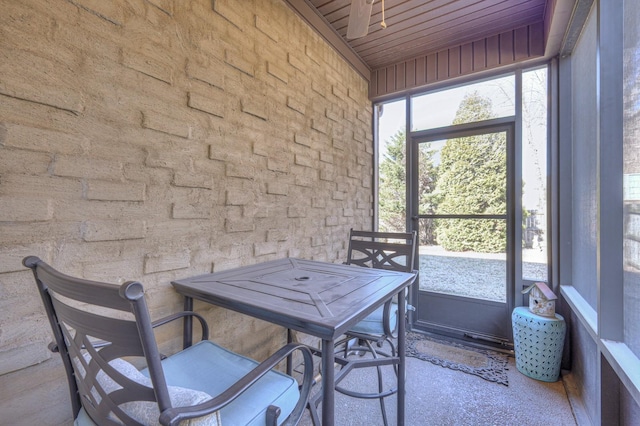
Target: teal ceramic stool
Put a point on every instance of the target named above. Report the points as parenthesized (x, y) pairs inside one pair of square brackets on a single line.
[(538, 343)]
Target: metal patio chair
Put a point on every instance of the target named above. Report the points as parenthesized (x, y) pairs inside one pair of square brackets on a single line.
[(380, 250), (101, 329)]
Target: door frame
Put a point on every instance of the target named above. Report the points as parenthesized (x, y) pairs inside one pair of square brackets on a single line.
[(463, 308)]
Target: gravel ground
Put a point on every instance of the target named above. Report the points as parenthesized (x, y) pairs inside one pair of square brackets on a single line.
[(477, 275)]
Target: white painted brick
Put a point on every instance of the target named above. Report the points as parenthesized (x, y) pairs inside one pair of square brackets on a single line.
[(17, 358), (295, 211), (267, 27), (39, 139), (240, 170), (302, 140), (239, 197), (167, 262), (115, 191), (277, 72), (261, 249), (331, 115), (320, 125), (11, 257), (339, 143), (328, 175), (165, 124), (20, 161), (331, 221), (205, 74), (277, 235), (238, 62), (54, 89), (362, 205), (318, 203), (112, 230), (319, 88), (339, 195), (255, 107), (343, 186), (296, 105), (277, 188), (147, 65), (256, 211), (364, 117), (192, 180), (311, 54), (339, 91), (108, 11), (306, 181), (111, 271), (239, 225), (280, 164), (326, 157), (83, 167), (226, 10), (303, 160), (205, 104), (363, 161), (296, 62), (25, 209), (164, 5), (190, 211)]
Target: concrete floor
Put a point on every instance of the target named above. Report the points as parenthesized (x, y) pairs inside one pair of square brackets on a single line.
[(440, 396)]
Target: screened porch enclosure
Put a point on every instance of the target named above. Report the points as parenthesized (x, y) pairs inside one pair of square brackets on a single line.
[(472, 178), (152, 140)]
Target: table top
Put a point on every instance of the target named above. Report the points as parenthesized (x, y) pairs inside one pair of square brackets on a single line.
[(318, 298)]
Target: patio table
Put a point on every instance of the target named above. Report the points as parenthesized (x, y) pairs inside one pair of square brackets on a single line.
[(317, 298)]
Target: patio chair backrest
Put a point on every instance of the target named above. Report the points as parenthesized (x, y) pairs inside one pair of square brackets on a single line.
[(382, 250), (95, 323)]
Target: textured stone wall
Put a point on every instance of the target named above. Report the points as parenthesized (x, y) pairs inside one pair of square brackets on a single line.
[(157, 139)]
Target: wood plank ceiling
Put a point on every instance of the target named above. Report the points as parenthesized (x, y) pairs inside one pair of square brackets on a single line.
[(419, 27)]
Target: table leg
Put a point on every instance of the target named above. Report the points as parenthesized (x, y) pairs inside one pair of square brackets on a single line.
[(328, 383), (187, 323), (401, 358), (290, 357)]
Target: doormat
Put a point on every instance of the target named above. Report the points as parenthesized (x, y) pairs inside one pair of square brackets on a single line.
[(490, 365)]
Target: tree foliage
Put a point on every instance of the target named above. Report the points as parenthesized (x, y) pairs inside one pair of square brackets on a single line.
[(428, 197), (392, 185), (392, 190), (467, 178), (472, 181)]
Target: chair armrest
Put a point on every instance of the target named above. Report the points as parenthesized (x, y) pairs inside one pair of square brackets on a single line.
[(386, 319), (173, 416), (178, 315), (400, 317)]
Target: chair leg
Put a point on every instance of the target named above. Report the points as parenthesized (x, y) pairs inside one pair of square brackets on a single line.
[(313, 410), (380, 384), (363, 346)]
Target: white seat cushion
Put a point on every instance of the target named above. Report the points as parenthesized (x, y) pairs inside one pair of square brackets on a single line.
[(146, 412), (373, 323), (210, 368)]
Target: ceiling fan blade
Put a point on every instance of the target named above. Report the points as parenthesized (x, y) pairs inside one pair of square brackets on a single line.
[(359, 16)]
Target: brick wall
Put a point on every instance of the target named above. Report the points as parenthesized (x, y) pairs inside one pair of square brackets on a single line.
[(157, 139)]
